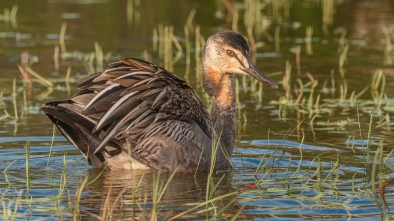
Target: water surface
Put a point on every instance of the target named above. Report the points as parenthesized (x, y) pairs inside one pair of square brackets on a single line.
[(315, 157)]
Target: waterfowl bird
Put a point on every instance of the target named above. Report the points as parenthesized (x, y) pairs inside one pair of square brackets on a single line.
[(138, 109)]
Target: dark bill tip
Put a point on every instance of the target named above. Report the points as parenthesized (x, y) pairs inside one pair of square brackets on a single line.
[(256, 74)]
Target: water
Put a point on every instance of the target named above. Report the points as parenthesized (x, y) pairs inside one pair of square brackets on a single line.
[(294, 159)]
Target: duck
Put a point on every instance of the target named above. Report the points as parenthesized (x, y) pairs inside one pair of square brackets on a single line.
[(138, 115)]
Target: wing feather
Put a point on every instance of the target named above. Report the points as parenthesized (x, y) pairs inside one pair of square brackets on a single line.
[(133, 102)]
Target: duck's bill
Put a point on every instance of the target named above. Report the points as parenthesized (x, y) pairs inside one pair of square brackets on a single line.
[(256, 74)]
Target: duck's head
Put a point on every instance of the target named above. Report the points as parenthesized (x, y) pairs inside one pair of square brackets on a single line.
[(227, 53)]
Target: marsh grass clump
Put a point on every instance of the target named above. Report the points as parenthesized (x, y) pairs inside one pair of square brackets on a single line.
[(22, 89), (9, 16), (313, 98), (163, 41), (17, 199), (93, 61), (132, 12)]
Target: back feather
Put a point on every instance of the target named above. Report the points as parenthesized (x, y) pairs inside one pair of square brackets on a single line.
[(131, 101)]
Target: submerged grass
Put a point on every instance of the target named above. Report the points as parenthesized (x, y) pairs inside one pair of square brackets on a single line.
[(158, 191), (50, 149)]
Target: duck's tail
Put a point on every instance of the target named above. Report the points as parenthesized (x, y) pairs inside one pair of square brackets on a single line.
[(77, 128)]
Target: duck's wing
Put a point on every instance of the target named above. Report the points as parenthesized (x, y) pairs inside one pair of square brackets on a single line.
[(132, 106)]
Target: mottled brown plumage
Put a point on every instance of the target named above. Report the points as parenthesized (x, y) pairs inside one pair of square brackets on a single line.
[(140, 109)]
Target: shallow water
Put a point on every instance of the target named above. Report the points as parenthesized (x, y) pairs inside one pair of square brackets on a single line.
[(312, 158)]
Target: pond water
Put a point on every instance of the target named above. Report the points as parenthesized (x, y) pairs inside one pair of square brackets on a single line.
[(319, 147)]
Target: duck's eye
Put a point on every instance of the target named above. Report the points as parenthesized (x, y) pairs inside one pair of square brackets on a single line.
[(230, 53)]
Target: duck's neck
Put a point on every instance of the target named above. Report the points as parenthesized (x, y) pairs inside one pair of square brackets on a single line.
[(222, 91)]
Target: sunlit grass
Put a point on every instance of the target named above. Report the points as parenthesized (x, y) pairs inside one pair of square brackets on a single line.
[(9, 16), (164, 40)]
